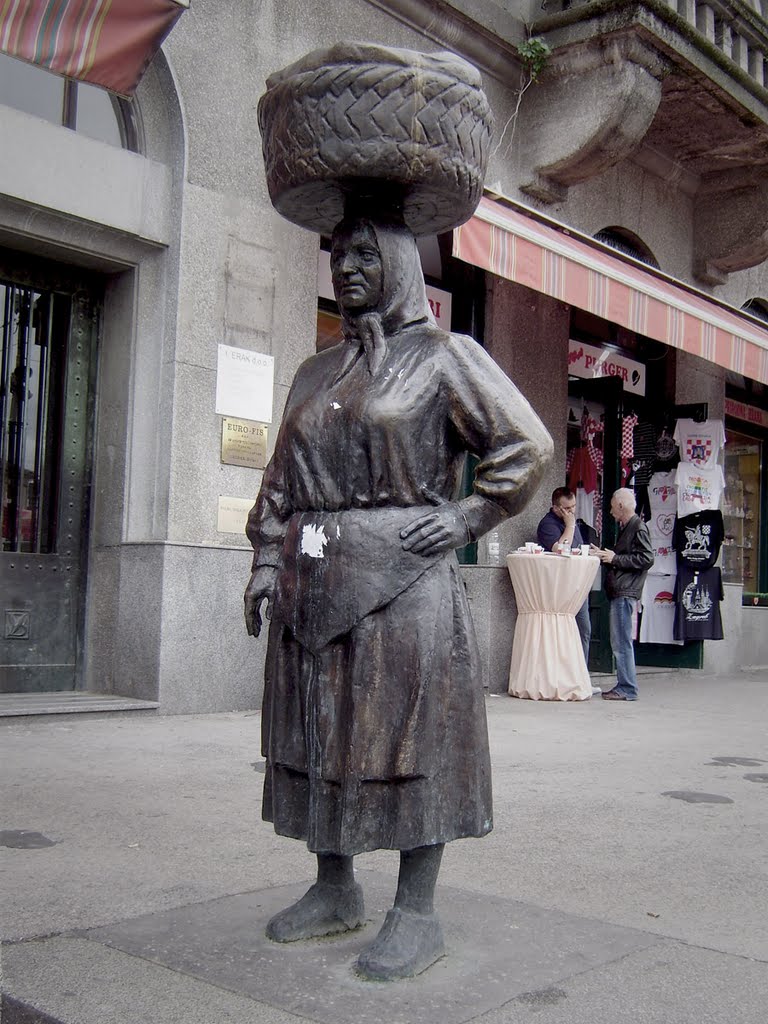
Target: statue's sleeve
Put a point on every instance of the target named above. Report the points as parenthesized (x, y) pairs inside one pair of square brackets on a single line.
[(268, 519), (497, 424)]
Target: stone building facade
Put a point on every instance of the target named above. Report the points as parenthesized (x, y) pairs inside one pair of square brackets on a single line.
[(647, 126)]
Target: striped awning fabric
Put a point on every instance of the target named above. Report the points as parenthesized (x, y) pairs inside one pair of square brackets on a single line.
[(104, 42), (505, 240)]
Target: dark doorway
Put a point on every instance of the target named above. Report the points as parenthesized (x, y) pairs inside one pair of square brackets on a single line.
[(600, 399), (49, 327)]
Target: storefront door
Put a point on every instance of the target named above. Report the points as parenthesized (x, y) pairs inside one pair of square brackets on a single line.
[(49, 322), (598, 400)]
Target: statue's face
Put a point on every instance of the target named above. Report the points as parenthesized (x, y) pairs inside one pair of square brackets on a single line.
[(356, 269)]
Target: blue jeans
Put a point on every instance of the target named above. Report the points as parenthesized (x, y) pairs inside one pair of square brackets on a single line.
[(585, 628), (620, 618)]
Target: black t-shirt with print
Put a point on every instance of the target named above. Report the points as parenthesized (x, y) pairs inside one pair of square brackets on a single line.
[(697, 539), (697, 598)]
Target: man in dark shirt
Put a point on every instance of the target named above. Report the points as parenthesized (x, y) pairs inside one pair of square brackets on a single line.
[(628, 566), (559, 526)]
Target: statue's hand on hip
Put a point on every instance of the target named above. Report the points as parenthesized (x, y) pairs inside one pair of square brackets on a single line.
[(261, 587), (438, 531)]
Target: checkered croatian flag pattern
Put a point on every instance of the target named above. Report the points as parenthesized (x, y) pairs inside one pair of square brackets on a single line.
[(698, 450)]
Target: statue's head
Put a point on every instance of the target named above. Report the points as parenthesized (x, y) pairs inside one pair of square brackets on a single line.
[(376, 268), (356, 267)]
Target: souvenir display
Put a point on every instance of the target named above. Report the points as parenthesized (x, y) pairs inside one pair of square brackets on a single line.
[(698, 489), (657, 625), (697, 598), (697, 539), (700, 443)]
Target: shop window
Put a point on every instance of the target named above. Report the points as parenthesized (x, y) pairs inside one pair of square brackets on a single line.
[(83, 108), (328, 327), (584, 460), (741, 510)]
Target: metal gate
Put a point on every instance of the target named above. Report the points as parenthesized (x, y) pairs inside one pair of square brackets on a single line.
[(49, 326)]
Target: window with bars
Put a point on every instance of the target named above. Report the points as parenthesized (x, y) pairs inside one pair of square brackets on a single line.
[(35, 327)]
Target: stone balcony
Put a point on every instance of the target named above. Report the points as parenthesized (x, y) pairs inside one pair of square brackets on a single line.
[(720, 38), (679, 86)]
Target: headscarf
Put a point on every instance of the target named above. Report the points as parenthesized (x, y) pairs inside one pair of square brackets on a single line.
[(403, 300)]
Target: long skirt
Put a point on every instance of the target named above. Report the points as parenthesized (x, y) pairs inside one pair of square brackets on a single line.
[(379, 740)]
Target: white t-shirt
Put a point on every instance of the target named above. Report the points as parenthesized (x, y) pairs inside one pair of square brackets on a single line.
[(664, 558), (698, 489), (700, 443), (585, 507), (658, 622), (662, 497), (661, 526), (662, 491)]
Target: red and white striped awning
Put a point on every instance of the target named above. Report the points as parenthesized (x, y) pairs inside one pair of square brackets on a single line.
[(104, 42), (505, 240)]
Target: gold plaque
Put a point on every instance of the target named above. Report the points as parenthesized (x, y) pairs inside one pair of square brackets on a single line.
[(243, 443), (233, 514)]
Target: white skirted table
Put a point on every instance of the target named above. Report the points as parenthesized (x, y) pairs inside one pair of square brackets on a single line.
[(547, 656)]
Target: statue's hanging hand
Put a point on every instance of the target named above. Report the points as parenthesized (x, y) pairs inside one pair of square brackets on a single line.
[(261, 587)]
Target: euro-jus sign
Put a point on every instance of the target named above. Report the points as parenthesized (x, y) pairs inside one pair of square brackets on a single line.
[(105, 42)]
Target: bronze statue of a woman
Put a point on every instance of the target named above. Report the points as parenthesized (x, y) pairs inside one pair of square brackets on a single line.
[(374, 727)]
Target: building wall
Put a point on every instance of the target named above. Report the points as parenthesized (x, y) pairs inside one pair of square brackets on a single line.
[(246, 278), (527, 335), (193, 254)]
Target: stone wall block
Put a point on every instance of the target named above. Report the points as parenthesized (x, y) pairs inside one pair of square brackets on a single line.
[(208, 662), (699, 380), (249, 289), (526, 332)]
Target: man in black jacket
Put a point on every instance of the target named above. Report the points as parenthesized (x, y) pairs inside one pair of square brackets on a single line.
[(628, 567)]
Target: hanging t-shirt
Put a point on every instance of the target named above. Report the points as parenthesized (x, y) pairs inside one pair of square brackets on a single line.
[(666, 447), (664, 560), (585, 506), (697, 598), (662, 491), (581, 470), (698, 489), (628, 425), (657, 626), (662, 499), (662, 526), (697, 539), (644, 445), (700, 443)]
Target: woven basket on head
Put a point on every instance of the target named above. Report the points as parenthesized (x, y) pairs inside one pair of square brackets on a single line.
[(365, 123)]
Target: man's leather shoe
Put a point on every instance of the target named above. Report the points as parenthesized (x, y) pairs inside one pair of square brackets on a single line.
[(613, 695)]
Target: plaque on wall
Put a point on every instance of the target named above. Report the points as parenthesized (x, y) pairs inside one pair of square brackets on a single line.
[(232, 514), (243, 443), (244, 383)]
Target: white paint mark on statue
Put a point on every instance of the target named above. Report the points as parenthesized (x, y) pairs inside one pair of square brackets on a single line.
[(313, 540)]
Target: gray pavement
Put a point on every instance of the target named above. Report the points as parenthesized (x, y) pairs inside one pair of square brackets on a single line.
[(133, 860)]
